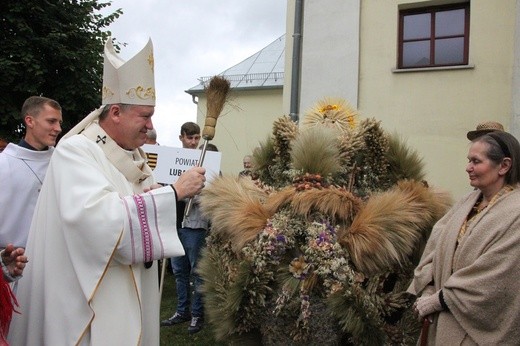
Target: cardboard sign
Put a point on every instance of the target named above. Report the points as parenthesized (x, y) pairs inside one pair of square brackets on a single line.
[(168, 163)]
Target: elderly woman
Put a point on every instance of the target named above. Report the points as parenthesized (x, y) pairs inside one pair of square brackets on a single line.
[(467, 279), (12, 262)]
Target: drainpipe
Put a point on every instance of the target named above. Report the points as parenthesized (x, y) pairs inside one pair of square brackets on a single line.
[(296, 61)]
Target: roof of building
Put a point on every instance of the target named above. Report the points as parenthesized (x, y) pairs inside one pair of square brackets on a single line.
[(264, 69)]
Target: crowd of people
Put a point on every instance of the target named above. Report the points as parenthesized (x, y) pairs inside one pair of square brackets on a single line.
[(100, 222)]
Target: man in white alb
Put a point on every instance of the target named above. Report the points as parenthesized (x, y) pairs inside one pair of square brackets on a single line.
[(23, 167), (98, 228)]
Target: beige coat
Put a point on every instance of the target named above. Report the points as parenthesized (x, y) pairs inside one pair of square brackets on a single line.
[(479, 278)]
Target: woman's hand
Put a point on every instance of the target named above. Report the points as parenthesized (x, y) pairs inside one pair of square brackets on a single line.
[(428, 305), (14, 260)]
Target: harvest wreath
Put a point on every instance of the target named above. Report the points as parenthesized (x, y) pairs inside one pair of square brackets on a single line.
[(321, 248)]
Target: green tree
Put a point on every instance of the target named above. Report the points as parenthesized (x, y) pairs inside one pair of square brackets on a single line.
[(52, 48)]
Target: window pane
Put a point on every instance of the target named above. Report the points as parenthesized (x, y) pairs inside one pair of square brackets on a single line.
[(416, 53), (449, 23), (416, 26), (449, 51)]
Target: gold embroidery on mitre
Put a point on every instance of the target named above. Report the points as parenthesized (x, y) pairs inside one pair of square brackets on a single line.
[(107, 93), (151, 60), (142, 93)]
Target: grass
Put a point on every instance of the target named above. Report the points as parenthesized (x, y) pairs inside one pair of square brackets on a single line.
[(178, 334)]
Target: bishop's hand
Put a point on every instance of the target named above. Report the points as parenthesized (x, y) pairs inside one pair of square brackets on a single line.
[(190, 183)]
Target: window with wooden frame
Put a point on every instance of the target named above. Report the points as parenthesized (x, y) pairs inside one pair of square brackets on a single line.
[(434, 36)]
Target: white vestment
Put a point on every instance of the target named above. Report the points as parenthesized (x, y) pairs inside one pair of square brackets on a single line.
[(93, 229), (22, 172)]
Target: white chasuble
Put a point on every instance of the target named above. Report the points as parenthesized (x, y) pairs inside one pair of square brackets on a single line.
[(93, 229)]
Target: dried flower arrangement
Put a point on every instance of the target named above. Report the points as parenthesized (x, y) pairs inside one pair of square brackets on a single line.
[(321, 249)]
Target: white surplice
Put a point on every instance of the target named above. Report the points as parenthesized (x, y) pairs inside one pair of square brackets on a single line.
[(22, 172), (93, 229)]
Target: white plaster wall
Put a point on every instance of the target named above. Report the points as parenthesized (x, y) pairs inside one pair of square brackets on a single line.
[(330, 52), (433, 110)]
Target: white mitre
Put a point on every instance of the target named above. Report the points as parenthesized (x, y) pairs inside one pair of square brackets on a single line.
[(131, 82)]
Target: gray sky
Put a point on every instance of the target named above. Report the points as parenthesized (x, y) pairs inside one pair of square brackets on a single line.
[(192, 39)]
